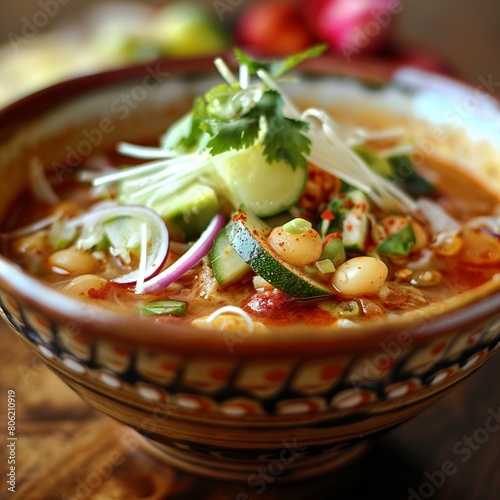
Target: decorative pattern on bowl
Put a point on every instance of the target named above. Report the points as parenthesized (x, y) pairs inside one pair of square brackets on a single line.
[(331, 392)]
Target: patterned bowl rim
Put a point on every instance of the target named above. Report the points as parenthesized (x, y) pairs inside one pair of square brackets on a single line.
[(455, 314)]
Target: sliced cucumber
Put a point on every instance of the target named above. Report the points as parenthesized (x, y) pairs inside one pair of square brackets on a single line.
[(265, 189), (356, 224), (227, 265), (351, 219), (248, 236), (411, 180), (355, 230), (124, 232), (186, 212), (124, 236), (376, 162), (398, 168)]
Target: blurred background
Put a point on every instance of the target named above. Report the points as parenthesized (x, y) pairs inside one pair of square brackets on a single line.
[(43, 41)]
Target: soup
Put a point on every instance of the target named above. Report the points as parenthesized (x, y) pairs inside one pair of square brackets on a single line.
[(251, 212)]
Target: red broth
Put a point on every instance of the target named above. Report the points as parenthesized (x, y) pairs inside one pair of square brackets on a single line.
[(475, 262)]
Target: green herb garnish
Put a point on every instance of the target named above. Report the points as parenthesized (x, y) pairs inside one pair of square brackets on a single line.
[(400, 243), (247, 141), (236, 116), (277, 68)]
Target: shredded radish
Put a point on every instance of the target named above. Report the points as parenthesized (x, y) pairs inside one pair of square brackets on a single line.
[(330, 152), (244, 77), (440, 221), (32, 228), (141, 274), (351, 136), (40, 185), (147, 153), (187, 261), (160, 165), (225, 72), (491, 223)]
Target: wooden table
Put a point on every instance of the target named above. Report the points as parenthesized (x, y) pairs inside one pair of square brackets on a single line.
[(66, 450)]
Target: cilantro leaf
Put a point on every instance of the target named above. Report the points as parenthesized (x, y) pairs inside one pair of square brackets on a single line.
[(277, 67), (284, 139), (222, 101), (399, 243), (236, 134), (186, 134)]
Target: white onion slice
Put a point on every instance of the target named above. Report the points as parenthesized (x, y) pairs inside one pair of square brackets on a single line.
[(187, 261), (157, 231), (144, 152), (492, 223), (438, 218), (40, 185), (33, 227)]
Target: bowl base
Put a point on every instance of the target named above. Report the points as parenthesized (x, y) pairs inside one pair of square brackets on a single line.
[(288, 469)]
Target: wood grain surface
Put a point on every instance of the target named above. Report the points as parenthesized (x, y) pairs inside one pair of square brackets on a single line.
[(66, 450)]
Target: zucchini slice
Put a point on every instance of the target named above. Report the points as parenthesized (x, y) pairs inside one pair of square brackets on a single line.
[(227, 265), (248, 236)]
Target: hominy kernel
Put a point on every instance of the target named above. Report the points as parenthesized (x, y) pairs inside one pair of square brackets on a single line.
[(297, 250), (29, 244), (349, 309), (360, 276), (450, 246), (403, 274), (80, 286), (73, 261), (426, 278), (421, 238)]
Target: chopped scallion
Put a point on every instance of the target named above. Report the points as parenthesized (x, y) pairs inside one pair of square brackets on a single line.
[(164, 308), (325, 266), (297, 226)]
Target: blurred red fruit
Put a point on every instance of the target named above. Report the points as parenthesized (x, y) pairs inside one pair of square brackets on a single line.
[(274, 28), (352, 27)]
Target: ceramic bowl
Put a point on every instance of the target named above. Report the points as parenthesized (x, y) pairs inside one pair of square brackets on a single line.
[(298, 402)]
